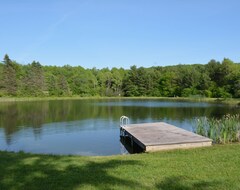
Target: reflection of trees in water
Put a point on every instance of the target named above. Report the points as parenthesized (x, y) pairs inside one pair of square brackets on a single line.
[(177, 113), (9, 122), (17, 115)]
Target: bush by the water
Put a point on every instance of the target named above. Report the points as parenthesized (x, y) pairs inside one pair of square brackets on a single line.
[(224, 130)]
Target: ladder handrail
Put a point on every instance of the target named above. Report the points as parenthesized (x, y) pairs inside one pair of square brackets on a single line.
[(124, 121)]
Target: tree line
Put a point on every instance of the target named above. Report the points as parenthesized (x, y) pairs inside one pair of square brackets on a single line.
[(214, 79)]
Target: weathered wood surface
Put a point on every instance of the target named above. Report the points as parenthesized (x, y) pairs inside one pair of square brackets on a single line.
[(162, 136)]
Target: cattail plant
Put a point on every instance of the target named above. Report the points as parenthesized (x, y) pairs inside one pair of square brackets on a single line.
[(224, 130)]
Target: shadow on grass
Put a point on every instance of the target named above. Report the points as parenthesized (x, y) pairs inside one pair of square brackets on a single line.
[(24, 171), (183, 183)]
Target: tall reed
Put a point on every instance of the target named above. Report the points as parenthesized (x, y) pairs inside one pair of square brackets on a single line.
[(224, 130)]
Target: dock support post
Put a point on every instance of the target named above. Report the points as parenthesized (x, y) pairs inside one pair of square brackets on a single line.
[(131, 141)]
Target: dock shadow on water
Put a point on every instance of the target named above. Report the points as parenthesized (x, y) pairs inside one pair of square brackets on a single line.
[(130, 146)]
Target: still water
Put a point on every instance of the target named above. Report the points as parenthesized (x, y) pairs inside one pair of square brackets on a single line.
[(90, 127)]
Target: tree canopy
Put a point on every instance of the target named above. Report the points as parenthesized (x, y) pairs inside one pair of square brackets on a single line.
[(214, 79)]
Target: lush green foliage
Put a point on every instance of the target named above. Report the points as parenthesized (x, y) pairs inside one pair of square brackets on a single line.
[(224, 130), (215, 79), (215, 167)]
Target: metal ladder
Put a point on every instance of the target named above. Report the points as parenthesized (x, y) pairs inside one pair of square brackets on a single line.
[(124, 121)]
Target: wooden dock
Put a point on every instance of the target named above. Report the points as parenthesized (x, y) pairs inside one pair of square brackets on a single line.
[(162, 136)]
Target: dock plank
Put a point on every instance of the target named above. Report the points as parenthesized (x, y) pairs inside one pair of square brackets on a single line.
[(161, 136)]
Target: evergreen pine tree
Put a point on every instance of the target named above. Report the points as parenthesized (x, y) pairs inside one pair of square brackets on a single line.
[(9, 77)]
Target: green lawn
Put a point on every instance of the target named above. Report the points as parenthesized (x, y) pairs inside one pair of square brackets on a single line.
[(216, 167)]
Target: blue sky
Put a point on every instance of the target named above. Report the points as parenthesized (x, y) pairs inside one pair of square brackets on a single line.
[(119, 33)]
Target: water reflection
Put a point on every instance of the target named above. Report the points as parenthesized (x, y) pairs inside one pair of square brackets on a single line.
[(89, 127), (129, 146)]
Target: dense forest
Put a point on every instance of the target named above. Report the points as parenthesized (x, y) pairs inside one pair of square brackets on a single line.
[(214, 79)]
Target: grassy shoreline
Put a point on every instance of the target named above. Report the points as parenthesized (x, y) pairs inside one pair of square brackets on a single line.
[(215, 167), (230, 101)]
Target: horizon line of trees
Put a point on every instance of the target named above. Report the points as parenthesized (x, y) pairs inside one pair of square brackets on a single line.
[(214, 79)]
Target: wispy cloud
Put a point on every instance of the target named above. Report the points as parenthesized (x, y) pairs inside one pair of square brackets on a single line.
[(44, 38)]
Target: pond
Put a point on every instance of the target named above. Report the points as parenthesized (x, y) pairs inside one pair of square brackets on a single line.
[(90, 127)]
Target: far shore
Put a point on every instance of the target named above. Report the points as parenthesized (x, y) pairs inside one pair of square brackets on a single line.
[(230, 101)]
